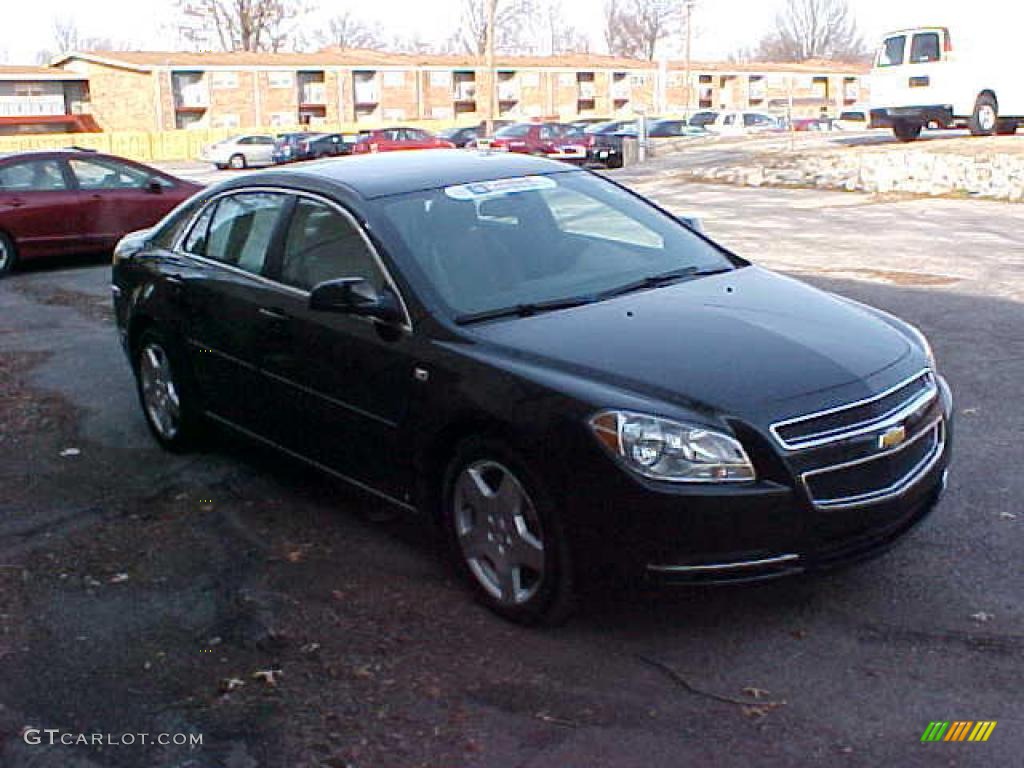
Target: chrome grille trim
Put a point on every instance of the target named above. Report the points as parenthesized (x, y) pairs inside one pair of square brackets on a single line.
[(935, 430), (881, 422)]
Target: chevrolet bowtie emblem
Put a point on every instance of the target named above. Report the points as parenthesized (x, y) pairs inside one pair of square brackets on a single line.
[(892, 437)]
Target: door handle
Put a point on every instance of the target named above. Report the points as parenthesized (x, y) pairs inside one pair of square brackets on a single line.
[(273, 313), (17, 202)]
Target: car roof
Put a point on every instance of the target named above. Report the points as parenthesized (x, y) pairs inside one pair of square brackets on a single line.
[(394, 173)]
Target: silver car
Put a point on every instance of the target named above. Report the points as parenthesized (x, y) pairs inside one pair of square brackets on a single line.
[(240, 151)]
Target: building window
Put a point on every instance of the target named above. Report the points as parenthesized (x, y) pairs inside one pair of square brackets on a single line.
[(280, 79), (278, 119), (225, 80), (440, 79)]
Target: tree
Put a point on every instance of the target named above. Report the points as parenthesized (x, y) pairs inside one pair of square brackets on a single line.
[(244, 25), (555, 34), (346, 30), (635, 27), (67, 38), (511, 26), (813, 29)]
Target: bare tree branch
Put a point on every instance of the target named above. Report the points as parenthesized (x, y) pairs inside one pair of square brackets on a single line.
[(246, 25), (813, 29), (633, 28), (346, 30), (511, 25)]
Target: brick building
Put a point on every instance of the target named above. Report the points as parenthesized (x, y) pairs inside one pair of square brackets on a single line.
[(43, 100), (165, 91)]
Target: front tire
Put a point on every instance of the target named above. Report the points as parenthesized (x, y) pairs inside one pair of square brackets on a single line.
[(166, 392), (8, 254), (985, 117), (906, 131), (505, 535), (238, 162)]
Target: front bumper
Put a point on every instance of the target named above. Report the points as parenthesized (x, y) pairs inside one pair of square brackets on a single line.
[(674, 533)]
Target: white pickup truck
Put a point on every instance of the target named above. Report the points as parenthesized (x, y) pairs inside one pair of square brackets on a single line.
[(924, 77)]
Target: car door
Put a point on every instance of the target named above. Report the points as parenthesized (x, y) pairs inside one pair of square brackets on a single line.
[(229, 244), (340, 384), (39, 207), (117, 198), (258, 150)]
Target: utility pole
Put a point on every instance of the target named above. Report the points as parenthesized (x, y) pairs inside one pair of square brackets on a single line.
[(492, 73), (688, 7)]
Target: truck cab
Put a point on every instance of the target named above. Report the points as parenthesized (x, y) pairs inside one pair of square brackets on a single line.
[(920, 79)]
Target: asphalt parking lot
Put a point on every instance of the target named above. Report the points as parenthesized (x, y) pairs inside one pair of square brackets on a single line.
[(236, 595)]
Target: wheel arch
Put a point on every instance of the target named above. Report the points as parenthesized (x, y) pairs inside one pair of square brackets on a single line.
[(436, 453)]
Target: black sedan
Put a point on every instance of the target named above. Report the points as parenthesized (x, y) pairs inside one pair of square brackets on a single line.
[(572, 380)]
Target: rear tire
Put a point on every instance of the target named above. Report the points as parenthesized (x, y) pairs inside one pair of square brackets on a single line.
[(985, 117), (505, 535), (167, 392), (906, 131), (8, 254), (238, 162)]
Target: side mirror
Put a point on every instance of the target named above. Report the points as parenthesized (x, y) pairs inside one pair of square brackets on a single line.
[(691, 222), (355, 296), (154, 187)]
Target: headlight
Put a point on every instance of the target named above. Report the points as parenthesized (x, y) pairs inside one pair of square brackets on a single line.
[(669, 450)]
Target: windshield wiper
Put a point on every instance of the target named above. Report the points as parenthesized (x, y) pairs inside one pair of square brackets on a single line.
[(523, 310), (663, 278)]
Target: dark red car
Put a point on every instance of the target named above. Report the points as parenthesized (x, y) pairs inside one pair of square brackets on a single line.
[(394, 139), (554, 140), (73, 201)]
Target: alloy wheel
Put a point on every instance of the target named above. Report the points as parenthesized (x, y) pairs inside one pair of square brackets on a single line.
[(987, 117), (159, 393), (499, 532)]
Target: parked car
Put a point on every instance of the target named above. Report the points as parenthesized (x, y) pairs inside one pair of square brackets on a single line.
[(584, 122), (556, 140), (461, 136), (396, 139), (703, 119), (286, 146), (738, 123), (927, 76), (660, 129), (314, 146), (811, 123), (68, 201), (494, 340), (858, 119), (240, 152), (327, 145)]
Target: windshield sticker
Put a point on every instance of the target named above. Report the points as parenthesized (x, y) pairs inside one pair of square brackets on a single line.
[(480, 190)]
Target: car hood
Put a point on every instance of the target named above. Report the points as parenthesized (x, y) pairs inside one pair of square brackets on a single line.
[(725, 342)]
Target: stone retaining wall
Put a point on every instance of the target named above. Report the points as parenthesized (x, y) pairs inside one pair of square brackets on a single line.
[(998, 176)]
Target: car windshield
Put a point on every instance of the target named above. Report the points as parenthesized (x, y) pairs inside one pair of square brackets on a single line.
[(532, 243)]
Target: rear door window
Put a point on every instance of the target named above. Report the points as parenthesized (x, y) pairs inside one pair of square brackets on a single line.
[(33, 176), (925, 48), (892, 51)]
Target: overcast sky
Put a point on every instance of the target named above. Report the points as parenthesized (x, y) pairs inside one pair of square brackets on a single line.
[(722, 26)]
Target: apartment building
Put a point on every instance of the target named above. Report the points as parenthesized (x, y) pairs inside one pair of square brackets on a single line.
[(43, 100), (166, 91)]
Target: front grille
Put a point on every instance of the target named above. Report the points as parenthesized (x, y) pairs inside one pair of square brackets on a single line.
[(894, 405), (877, 477)]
